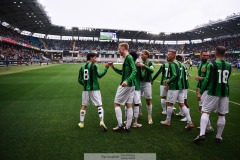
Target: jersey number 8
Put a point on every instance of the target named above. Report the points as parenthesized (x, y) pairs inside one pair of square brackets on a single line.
[(86, 75)]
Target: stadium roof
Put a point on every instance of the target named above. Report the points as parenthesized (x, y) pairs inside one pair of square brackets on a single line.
[(31, 16)]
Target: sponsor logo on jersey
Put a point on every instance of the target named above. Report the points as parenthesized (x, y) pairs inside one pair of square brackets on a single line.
[(203, 69)]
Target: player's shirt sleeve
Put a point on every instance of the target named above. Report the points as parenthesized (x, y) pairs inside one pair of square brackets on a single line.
[(157, 74), (207, 79), (149, 68), (117, 70), (131, 78), (173, 70), (80, 77), (100, 74)]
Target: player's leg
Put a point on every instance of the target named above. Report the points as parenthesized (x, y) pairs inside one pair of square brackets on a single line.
[(82, 116), (121, 98), (209, 104), (129, 101), (163, 104), (118, 111), (163, 94), (85, 100), (209, 128), (203, 125), (148, 96), (129, 116), (141, 95), (97, 101), (171, 100), (186, 104), (222, 110), (220, 127), (137, 101), (149, 109), (184, 109), (140, 109)]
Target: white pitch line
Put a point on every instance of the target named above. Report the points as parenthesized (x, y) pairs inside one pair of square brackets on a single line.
[(229, 101)]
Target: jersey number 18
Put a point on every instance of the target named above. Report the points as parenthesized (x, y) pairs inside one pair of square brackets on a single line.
[(223, 76)]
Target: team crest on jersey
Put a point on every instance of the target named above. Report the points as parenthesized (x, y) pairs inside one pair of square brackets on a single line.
[(203, 69)]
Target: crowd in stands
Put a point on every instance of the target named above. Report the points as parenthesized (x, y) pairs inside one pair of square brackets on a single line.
[(12, 52), (105, 46), (15, 35), (232, 44)]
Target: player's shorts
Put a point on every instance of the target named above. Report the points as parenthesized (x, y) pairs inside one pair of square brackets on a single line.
[(163, 91), (124, 95), (95, 96), (203, 97), (146, 90), (185, 92), (174, 96), (137, 97), (215, 104)]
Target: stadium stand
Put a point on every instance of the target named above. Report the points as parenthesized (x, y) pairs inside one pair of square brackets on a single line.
[(79, 41)]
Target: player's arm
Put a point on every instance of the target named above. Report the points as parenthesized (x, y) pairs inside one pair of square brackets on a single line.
[(207, 79), (80, 77), (157, 74), (100, 74), (117, 70), (174, 75), (134, 71), (149, 68), (198, 77)]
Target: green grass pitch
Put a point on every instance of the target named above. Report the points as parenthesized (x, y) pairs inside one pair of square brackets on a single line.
[(39, 113)]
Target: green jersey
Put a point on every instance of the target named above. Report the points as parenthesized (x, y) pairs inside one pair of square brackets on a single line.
[(174, 73), (139, 75), (88, 76), (202, 70), (184, 76), (216, 81), (148, 68), (164, 70), (128, 71)]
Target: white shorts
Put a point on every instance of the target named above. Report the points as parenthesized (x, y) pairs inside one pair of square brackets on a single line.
[(146, 90), (124, 95), (203, 97), (185, 92), (95, 96), (163, 91), (137, 97), (215, 104), (174, 96)]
